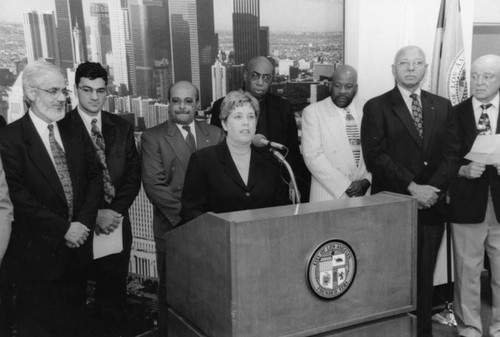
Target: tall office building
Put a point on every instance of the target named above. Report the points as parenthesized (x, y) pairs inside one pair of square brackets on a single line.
[(264, 49), (225, 78), (193, 42), (40, 36), (100, 34), (246, 28), (69, 14), (150, 33), (122, 59)]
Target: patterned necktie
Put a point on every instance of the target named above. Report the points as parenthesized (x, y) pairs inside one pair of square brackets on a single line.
[(353, 135), (483, 125), (62, 169), (418, 117), (190, 138), (109, 189)]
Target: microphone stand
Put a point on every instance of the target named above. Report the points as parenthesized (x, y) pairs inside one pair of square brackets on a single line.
[(281, 159)]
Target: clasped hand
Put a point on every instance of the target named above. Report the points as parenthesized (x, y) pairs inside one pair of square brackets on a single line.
[(107, 221), (76, 235), (426, 195)]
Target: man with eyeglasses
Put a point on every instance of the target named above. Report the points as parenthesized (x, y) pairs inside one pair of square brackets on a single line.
[(475, 202), (331, 141), (166, 150), (55, 185), (114, 144), (276, 117), (410, 144)]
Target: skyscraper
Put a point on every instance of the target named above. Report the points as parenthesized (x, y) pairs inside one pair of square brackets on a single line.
[(150, 33), (100, 35), (193, 44), (69, 15), (40, 36), (246, 28), (264, 41), (122, 59)]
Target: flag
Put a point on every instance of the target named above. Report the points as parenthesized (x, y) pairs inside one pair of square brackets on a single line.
[(448, 77)]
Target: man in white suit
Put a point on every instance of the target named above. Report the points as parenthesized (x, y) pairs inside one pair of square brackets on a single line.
[(331, 143)]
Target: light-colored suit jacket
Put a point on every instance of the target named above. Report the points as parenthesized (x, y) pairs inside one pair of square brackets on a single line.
[(327, 152), (165, 157)]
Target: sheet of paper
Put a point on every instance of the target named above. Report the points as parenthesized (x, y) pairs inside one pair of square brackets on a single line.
[(112, 243), (486, 149)]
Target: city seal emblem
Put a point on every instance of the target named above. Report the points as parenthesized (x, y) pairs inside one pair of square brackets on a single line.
[(331, 269)]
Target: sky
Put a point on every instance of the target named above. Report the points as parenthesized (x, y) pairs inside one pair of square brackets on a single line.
[(294, 15)]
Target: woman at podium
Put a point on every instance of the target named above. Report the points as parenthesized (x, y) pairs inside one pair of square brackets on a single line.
[(233, 175)]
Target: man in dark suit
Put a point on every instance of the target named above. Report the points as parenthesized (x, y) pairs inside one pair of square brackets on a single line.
[(2, 121), (55, 185), (166, 150), (475, 202), (410, 144), (114, 143), (276, 118)]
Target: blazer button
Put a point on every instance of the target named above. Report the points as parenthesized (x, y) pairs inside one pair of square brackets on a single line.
[(425, 163), (247, 194)]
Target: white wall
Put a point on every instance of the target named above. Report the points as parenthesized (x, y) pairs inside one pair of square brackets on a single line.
[(375, 30)]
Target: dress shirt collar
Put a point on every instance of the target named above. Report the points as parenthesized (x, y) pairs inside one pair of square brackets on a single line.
[(87, 119), (476, 104)]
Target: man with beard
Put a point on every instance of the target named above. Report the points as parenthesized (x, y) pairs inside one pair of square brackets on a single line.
[(276, 118), (55, 186), (331, 142), (166, 150), (410, 145)]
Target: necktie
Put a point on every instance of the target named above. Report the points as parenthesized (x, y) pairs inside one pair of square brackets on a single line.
[(483, 125), (190, 138), (353, 135), (416, 111), (109, 189), (62, 169)]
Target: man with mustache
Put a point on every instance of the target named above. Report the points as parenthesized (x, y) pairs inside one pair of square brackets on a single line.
[(166, 150), (55, 186), (410, 144), (331, 141)]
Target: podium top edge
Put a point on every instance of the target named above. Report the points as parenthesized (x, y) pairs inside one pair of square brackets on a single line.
[(313, 207)]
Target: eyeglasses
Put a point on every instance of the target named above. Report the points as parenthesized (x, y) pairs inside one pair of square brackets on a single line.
[(486, 77), (255, 76), (415, 64), (55, 92), (178, 100), (89, 91)]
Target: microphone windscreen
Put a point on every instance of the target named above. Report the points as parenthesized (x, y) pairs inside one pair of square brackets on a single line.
[(257, 140)]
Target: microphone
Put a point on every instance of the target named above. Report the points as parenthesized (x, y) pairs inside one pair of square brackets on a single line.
[(260, 140)]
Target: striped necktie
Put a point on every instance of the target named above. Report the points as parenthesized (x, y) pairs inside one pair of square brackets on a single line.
[(353, 135), (98, 139), (62, 169)]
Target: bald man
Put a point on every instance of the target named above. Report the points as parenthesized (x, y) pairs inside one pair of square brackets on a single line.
[(410, 144), (475, 202), (331, 143), (276, 117), (166, 150)]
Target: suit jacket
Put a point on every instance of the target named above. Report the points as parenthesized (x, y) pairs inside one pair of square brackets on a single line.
[(37, 248), (395, 153), (213, 183), (2, 121), (123, 163), (327, 152), (469, 197), (6, 215), (165, 157), (277, 123)]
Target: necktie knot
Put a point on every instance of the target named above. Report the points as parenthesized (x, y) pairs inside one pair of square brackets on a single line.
[(190, 138), (187, 128), (51, 128), (486, 106), (414, 96)]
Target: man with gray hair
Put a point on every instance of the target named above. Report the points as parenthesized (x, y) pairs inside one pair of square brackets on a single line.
[(55, 185), (475, 201)]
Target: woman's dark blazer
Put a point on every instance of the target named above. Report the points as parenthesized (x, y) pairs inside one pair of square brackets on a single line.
[(213, 183)]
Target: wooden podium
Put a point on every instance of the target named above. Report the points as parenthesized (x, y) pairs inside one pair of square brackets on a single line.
[(247, 273)]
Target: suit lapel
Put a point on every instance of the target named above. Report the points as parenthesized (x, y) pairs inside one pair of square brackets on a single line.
[(230, 169), (178, 143), (401, 110), (429, 114), (69, 135), (108, 132), (40, 157), (469, 123)]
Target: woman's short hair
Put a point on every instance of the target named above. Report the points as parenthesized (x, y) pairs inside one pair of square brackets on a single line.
[(235, 99)]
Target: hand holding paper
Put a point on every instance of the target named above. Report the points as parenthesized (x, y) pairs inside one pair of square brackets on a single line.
[(486, 150), (472, 171)]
